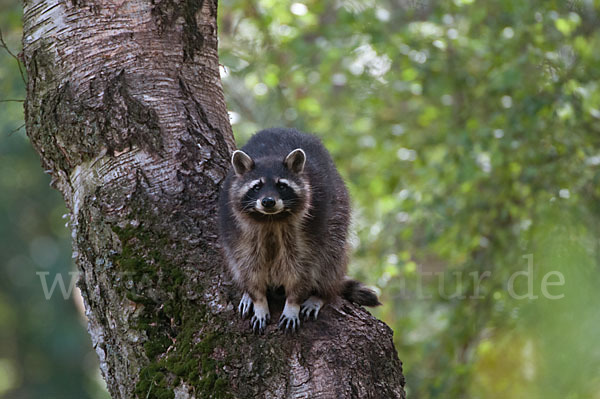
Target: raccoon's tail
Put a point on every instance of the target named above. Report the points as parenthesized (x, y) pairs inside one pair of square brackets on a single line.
[(355, 291)]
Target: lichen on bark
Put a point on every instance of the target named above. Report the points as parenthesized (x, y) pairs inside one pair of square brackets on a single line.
[(75, 131), (166, 12)]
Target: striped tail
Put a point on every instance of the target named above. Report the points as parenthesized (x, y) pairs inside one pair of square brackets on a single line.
[(356, 292)]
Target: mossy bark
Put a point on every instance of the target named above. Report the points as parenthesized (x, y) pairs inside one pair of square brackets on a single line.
[(125, 107)]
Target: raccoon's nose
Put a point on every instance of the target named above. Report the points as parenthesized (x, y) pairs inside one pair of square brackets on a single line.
[(268, 202)]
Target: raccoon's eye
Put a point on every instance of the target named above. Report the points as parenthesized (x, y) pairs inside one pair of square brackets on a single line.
[(281, 186), (257, 186)]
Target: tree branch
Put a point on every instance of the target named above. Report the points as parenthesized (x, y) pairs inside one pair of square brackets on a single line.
[(5, 47)]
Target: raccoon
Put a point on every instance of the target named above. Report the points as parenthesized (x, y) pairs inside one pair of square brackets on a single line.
[(284, 213)]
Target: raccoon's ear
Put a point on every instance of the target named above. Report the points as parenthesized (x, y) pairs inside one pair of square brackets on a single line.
[(241, 162), (295, 160)]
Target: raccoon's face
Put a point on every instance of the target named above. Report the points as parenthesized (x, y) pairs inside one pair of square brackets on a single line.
[(269, 189)]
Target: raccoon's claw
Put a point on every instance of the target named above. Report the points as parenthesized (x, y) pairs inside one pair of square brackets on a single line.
[(259, 323), (289, 324), (245, 306), (311, 307), (261, 317), (289, 320)]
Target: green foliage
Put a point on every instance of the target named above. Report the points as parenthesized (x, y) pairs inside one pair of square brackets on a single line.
[(468, 134)]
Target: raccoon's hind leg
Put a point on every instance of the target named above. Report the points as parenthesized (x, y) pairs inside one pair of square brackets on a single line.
[(261, 311), (311, 307)]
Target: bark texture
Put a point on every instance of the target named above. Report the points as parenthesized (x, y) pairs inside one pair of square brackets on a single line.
[(125, 107)]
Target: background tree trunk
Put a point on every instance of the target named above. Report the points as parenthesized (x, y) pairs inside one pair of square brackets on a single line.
[(125, 107)]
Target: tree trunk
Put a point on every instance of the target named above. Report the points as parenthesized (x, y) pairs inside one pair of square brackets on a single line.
[(125, 107)]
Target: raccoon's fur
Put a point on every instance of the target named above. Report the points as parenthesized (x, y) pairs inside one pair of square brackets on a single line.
[(284, 213)]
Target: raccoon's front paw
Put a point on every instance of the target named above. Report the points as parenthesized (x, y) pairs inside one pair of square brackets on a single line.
[(289, 320), (311, 307), (289, 323), (259, 322), (261, 317), (245, 306)]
